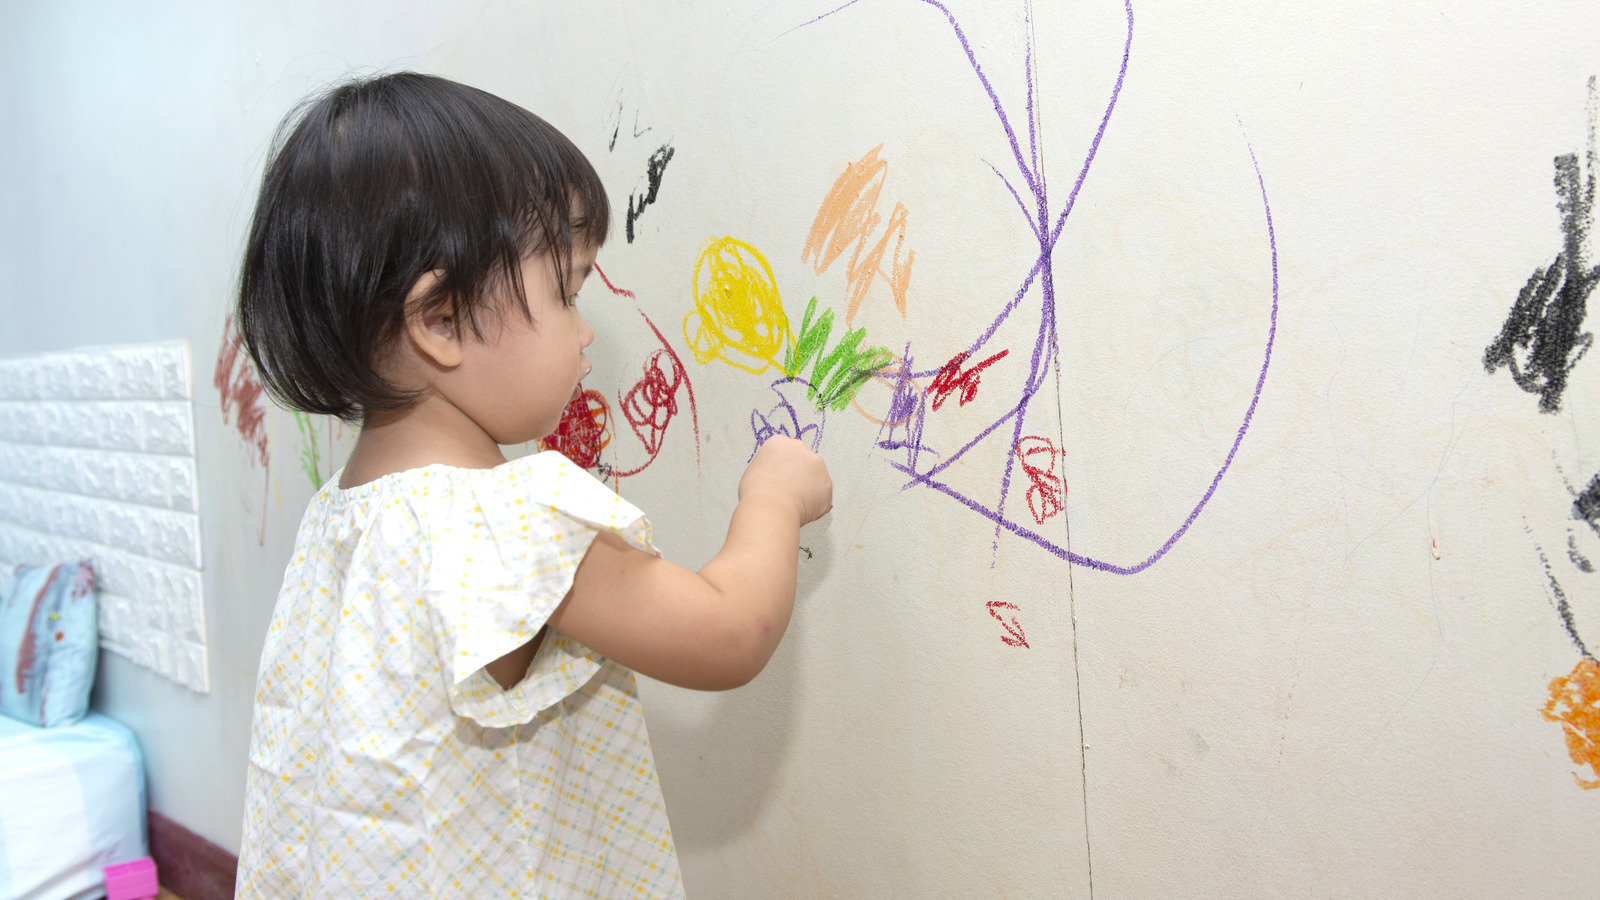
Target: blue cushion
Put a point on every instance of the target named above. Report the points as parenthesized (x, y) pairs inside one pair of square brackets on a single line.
[(49, 643)]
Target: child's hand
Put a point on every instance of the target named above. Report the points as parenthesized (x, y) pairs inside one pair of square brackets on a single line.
[(786, 468)]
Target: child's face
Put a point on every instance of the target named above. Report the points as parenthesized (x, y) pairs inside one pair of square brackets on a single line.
[(527, 372)]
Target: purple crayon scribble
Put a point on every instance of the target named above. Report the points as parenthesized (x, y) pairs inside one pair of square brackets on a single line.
[(784, 418), (908, 403)]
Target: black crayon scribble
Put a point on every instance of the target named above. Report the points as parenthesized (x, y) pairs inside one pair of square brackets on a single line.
[(653, 172), (614, 118), (1586, 505), (807, 552), (1578, 559), (1563, 608), (1540, 341)]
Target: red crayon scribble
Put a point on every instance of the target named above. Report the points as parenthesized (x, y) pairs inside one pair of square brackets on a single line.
[(951, 378), (614, 289), (27, 651), (584, 431), (1575, 704), (235, 378), (1047, 492), (1014, 636), (651, 403)]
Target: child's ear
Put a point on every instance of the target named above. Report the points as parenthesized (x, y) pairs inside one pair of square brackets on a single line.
[(430, 322)]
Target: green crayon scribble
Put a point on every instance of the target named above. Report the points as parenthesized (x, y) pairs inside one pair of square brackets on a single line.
[(310, 457), (837, 376)]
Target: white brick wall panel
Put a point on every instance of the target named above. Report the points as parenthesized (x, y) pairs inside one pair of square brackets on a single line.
[(19, 422), (166, 428), (142, 480), (92, 372), (106, 613), (55, 378), (175, 373), (156, 618), (11, 383), (125, 529), (76, 481), (12, 508), (198, 678), (182, 485), (64, 424), (75, 517), (56, 471), (57, 423), (189, 611), (122, 426), (128, 382), (199, 668), (98, 475), (172, 537)]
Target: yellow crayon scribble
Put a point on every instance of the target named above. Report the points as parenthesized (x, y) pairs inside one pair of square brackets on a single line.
[(1575, 703), (737, 309), (849, 214)]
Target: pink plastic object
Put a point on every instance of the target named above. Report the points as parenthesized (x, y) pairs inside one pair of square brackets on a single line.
[(132, 880)]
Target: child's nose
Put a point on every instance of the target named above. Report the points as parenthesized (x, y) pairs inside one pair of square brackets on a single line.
[(585, 333)]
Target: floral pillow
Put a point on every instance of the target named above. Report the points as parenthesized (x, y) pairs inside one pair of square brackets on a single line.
[(49, 643)]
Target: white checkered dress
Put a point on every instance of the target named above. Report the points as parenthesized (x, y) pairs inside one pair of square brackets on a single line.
[(384, 760)]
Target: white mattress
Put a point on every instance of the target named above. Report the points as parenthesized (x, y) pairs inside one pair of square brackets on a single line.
[(71, 803)]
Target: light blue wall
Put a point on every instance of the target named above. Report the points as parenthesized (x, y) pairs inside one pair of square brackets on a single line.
[(131, 149)]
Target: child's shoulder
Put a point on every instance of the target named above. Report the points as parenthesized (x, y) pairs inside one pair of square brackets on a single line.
[(446, 499)]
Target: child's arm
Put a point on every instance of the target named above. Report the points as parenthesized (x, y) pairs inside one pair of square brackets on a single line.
[(716, 628)]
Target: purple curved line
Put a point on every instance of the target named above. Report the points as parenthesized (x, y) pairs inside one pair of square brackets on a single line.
[(1027, 71), (1088, 561), (830, 12), (1261, 380), (1016, 150), (1127, 49), (1032, 226), (1047, 348)]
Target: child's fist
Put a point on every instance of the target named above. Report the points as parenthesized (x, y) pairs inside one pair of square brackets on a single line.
[(787, 468)]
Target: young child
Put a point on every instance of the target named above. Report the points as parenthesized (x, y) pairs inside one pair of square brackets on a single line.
[(445, 707)]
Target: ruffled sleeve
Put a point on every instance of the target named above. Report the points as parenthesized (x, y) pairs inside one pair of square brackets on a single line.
[(506, 543)]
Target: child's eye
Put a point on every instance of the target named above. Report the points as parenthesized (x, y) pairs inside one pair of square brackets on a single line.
[(571, 300)]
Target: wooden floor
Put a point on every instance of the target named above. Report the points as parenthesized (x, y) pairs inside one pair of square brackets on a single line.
[(167, 895)]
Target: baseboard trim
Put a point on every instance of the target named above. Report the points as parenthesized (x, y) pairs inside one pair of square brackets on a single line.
[(188, 864)]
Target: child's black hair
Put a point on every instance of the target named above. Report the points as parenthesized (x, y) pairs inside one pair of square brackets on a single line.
[(373, 184)]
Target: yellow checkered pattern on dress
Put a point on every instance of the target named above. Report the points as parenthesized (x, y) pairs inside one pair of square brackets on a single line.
[(384, 760)]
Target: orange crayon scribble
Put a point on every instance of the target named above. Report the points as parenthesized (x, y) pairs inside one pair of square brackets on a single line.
[(1575, 704), (849, 215), (738, 315)]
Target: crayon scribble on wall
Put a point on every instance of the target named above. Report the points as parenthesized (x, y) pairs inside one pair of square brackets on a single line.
[(849, 218), (1575, 704), (739, 318), (1542, 338)]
